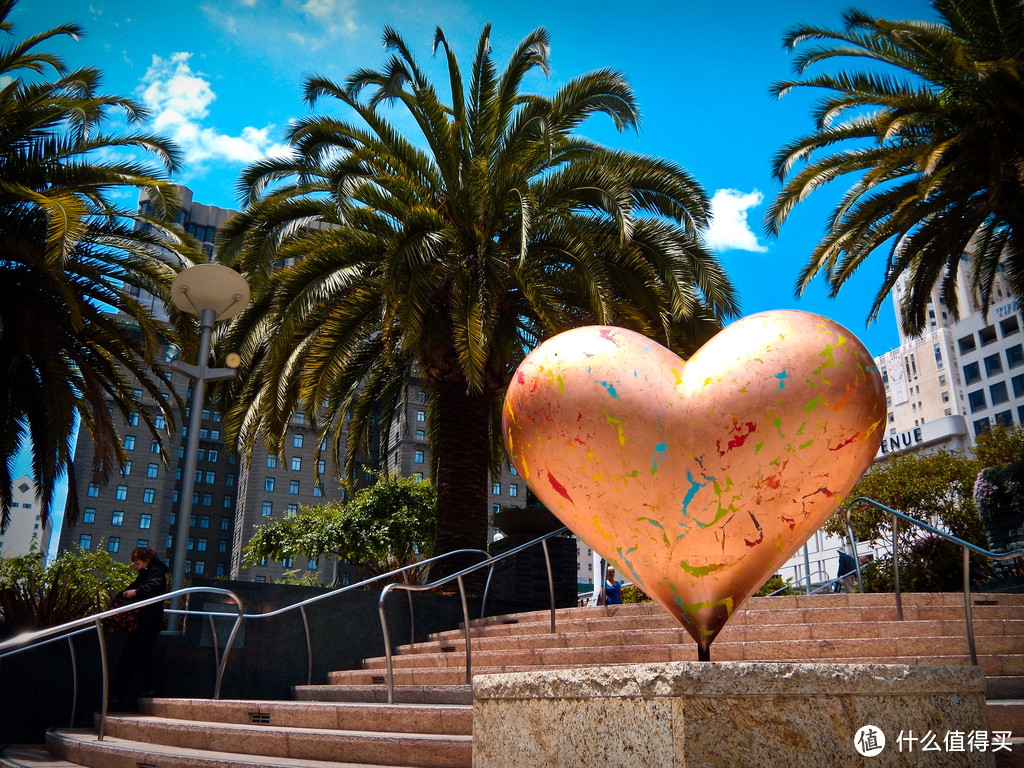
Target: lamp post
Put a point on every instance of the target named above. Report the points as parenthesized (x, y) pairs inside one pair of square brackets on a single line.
[(211, 292)]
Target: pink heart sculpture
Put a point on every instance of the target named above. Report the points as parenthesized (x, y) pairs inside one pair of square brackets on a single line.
[(698, 479)]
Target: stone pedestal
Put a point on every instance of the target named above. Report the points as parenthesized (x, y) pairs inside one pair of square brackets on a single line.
[(724, 714)]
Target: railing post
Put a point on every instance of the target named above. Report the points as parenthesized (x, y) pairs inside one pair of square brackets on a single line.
[(896, 566), (465, 623), (412, 619), (387, 645), (105, 689), (216, 642), (853, 549), (967, 607), (309, 646), (74, 675), (551, 582)]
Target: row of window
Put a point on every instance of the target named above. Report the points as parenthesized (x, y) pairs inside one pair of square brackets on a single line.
[(158, 421), (994, 364), (295, 464), (987, 335), (1004, 419), (268, 509), (513, 489), (121, 493), (294, 487), (997, 393)]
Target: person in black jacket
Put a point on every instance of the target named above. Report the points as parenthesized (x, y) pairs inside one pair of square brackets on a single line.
[(137, 657)]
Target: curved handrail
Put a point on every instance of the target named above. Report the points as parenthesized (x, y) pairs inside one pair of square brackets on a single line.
[(968, 548), (301, 605), (488, 563), (69, 629)]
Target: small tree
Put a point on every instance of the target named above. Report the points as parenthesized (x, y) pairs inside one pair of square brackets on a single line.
[(385, 526), (935, 488)]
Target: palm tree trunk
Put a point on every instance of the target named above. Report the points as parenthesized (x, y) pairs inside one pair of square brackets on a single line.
[(462, 476)]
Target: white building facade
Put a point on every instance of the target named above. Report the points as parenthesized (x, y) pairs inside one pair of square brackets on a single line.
[(25, 527)]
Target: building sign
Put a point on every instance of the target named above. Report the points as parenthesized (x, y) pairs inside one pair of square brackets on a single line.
[(1005, 310), (901, 441)]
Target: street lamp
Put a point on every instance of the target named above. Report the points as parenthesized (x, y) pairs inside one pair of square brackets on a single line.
[(211, 292)]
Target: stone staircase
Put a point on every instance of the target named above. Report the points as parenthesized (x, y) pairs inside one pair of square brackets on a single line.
[(346, 723)]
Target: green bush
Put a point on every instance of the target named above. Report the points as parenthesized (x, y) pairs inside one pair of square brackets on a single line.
[(76, 584), (774, 583), (931, 564), (633, 594)]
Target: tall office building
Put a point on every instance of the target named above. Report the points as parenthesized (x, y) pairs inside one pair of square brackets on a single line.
[(25, 528)]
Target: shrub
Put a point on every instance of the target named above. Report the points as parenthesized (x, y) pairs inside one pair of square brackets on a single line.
[(633, 594)]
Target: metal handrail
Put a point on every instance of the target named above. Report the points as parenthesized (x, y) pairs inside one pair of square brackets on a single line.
[(488, 563), (301, 605), (968, 548), (69, 629)]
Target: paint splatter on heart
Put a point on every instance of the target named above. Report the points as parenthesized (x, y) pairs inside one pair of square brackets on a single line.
[(698, 479)]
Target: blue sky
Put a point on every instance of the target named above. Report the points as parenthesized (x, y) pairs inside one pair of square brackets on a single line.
[(224, 77)]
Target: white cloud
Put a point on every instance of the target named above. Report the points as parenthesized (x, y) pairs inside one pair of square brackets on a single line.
[(729, 229), (179, 100)]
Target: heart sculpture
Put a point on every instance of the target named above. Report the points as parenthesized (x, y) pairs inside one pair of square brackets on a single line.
[(698, 479)]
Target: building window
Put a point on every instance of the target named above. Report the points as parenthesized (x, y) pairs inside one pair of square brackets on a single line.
[(1018, 385), (148, 495), (942, 380), (113, 544), (121, 493), (190, 544), (268, 508), (200, 567), (198, 477), (892, 417), (1014, 356), (296, 464), (85, 541), (93, 490), (117, 518), (938, 357), (204, 521), (145, 520), (170, 543), (159, 422), (317, 492), (201, 545), (513, 489), (220, 569), (513, 470), (998, 393), (312, 564), (293, 487), (981, 426), (418, 457), (204, 434), (1009, 326), (496, 489), (174, 496), (421, 434), (177, 473), (268, 484), (207, 499), (211, 478), (987, 335), (211, 454), (291, 510), (421, 415), (225, 523), (972, 373), (993, 365), (297, 440), (152, 470), (200, 454), (154, 446), (495, 508), (222, 546), (287, 562), (967, 344), (271, 462), (126, 469), (418, 477), (229, 480), (945, 397), (89, 515), (1004, 419), (976, 399), (129, 442), (142, 542), (227, 502)]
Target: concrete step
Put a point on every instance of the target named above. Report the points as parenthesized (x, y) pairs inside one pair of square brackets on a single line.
[(1010, 649), (458, 694), (302, 743), (994, 665), (639, 617), (80, 747), (29, 756), (441, 719), (1007, 715)]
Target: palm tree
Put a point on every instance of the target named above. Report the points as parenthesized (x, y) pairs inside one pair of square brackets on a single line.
[(932, 120), (378, 258), (73, 335)]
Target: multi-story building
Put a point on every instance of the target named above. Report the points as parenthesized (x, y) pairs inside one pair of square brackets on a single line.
[(25, 528), (943, 387)]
